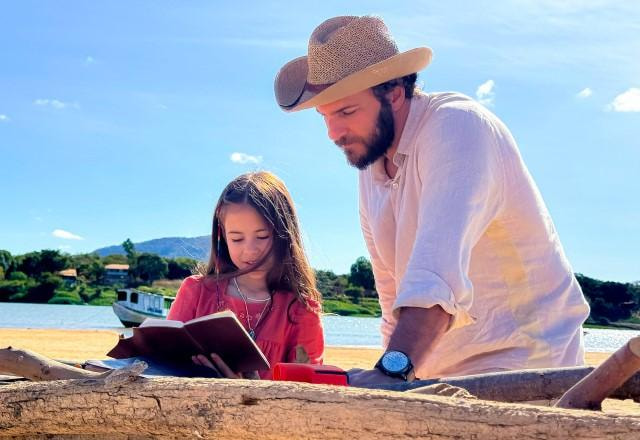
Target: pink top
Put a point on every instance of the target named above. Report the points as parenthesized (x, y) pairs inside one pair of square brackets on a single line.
[(278, 332)]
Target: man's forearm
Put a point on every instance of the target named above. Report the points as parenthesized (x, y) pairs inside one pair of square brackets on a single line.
[(418, 331)]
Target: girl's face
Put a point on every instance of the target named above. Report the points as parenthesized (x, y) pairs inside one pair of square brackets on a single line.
[(249, 236)]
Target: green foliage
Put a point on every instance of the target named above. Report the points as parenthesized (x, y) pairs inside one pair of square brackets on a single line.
[(45, 290), (367, 307), (356, 293), (151, 267), (115, 259), (89, 267), (362, 274), (65, 296), (106, 297), (325, 280), (166, 291), (15, 290), (179, 268), (34, 264), (1, 273), (17, 276), (7, 262), (610, 301)]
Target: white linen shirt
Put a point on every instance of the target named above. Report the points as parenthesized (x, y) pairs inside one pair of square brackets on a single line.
[(462, 225)]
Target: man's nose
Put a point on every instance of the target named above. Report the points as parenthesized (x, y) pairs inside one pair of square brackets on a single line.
[(335, 129)]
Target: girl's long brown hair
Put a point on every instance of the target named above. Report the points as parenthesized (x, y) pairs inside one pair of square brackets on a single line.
[(268, 195)]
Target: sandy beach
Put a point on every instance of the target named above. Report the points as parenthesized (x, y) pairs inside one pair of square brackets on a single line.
[(80, 345)]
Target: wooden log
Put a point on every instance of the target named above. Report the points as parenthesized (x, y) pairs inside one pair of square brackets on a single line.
[(522, 385), (243, 409), (608, 376), (33, 366)]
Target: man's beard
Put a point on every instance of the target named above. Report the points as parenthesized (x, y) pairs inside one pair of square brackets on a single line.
[(378, 143)]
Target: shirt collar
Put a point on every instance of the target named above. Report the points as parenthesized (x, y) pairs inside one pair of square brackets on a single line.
[(410, 129)]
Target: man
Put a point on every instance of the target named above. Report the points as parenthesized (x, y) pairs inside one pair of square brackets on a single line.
[(470, 272)]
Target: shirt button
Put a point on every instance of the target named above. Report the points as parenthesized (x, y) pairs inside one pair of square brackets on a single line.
[(395, 185)]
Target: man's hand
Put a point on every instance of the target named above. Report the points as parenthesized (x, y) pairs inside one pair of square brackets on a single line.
[(359, 377)]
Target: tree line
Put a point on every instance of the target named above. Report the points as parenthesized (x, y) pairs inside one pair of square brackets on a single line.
[(34, 277)]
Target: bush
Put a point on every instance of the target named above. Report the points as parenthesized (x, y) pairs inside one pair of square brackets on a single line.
[(65, 297), (356, 293), (14, 289), (45, 290), (18, 276)]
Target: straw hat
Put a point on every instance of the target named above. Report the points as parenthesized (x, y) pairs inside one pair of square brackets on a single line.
[(346, 55)]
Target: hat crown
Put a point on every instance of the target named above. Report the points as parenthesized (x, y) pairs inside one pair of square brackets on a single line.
[(344, 45)]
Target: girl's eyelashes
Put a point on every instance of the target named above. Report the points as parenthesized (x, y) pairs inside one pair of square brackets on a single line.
[(237, 240)]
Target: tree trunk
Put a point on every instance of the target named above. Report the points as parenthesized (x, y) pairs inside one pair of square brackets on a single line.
[(242, 409)]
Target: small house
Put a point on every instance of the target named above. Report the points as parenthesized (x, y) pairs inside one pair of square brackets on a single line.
[(69, 276), (116, 273)]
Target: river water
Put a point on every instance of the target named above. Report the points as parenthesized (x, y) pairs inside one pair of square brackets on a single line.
[(339, 330)]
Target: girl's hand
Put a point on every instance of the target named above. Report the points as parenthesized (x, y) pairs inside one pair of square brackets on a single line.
[(219, 365)]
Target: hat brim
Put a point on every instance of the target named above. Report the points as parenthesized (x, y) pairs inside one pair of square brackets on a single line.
[(293, 93)]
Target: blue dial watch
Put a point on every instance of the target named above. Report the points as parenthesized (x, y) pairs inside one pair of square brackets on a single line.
[(397, 364)]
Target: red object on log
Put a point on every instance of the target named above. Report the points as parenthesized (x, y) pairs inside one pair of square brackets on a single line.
[(323, 374)]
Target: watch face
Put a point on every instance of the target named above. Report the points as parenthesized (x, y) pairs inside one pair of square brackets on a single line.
[(395, 361)]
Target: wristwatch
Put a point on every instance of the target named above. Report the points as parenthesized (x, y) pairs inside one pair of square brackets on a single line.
[(395, 363)]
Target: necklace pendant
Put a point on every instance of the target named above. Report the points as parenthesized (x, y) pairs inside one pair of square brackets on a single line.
[(252, 334)]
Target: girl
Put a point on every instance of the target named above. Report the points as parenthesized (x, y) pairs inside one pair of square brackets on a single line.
[(258, 270)]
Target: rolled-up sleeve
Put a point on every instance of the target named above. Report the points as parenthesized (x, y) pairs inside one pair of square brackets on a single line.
[(460, 174)]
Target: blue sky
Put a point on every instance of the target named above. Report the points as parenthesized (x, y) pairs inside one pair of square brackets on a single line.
[(126, 119)]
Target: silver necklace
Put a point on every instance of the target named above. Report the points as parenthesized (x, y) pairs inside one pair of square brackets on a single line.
[(252, 330)]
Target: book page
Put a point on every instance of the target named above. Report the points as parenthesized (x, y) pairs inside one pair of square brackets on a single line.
[(155, 322), (222, 314)]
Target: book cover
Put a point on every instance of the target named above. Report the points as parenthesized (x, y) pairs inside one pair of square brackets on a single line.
[(175, 342)]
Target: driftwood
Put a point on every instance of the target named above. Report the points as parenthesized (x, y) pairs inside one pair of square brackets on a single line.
[(576, 387), (243, 409), (522, 385), (32, 366), (597, 385)]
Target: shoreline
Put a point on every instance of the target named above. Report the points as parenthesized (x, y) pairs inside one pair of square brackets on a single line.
[(79, 345)]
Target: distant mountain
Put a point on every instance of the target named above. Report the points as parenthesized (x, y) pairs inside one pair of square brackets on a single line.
[(170, 247)]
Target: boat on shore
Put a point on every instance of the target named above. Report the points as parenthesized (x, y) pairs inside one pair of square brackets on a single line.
[(134, 306)]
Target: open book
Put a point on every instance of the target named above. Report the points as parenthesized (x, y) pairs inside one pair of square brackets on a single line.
[(176, 342)]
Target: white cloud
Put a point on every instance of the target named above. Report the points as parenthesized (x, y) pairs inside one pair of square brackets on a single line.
[(628, 101), (64, 247), (585, 93), (484, 93), (59, 233), (4, 118), (58, 105), (245, 158)]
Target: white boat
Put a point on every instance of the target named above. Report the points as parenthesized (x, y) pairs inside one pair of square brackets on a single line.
[(134, 306)]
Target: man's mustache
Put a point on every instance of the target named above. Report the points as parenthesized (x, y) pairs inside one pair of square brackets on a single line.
[(344, 141)]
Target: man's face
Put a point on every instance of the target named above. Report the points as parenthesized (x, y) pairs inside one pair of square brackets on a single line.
[(361, 125)]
